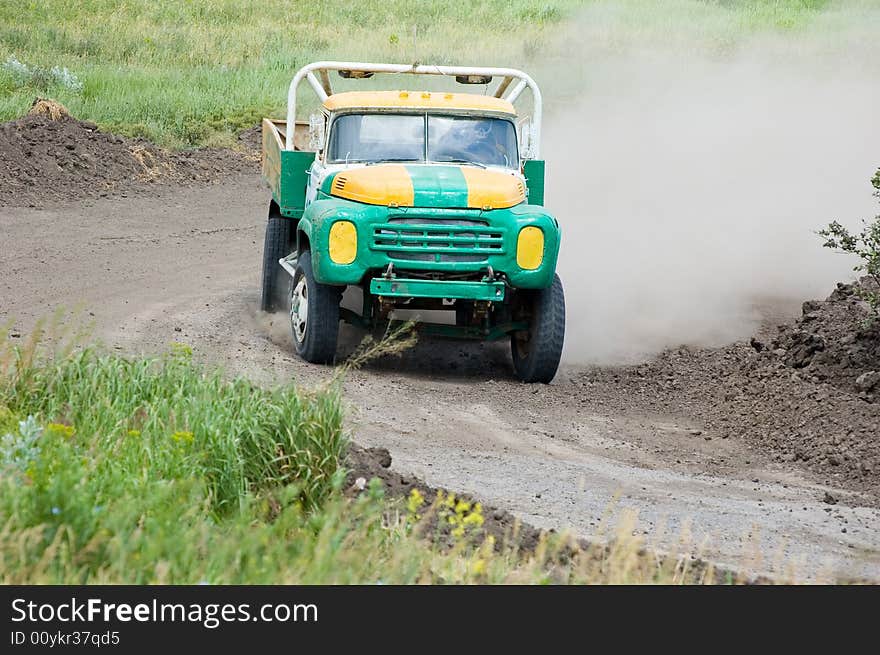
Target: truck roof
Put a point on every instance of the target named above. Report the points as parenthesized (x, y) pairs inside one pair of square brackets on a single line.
[(417, 100)]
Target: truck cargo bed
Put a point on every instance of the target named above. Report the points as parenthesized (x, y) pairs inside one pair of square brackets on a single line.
[(286, 171)]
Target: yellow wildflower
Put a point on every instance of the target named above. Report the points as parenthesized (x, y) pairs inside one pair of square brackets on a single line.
[(415, 501), (182, 437), (181, 350), (61, 430), (474, 518)]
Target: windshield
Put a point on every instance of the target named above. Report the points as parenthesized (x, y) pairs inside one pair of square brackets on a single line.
[(401, 137)]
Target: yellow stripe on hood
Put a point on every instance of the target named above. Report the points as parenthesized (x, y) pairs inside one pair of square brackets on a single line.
[(492, 189), (388, 184), (434, 186)]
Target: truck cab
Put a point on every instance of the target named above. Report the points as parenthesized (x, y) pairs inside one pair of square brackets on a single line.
[(425, 200)]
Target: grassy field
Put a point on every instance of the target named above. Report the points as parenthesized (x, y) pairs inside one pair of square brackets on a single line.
[(194, 73), (116, 470)]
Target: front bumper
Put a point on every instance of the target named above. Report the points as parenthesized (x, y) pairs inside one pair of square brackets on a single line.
[(451, 289)]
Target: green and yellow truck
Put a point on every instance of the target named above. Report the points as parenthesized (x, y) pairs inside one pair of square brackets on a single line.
[(426, 201)]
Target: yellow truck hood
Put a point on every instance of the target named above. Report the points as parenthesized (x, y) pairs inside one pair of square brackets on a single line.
[(429, 185)]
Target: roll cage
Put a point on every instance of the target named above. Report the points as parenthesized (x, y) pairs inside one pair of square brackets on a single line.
[(512, 83)]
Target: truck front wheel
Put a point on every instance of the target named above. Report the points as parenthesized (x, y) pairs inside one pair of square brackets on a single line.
[(314, 314), (536, 353)]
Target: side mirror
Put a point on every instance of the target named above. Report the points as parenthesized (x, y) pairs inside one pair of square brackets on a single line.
[(316, 132), (525, 139)]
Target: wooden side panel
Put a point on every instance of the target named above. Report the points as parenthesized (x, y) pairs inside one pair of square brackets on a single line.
[(300, 135), (271, 158)]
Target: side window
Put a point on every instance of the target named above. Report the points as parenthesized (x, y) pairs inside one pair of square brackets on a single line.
[(342, 136), (317, 128)]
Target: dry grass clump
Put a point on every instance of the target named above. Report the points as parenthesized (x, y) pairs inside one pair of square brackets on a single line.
[(49, 108), (154, 164)]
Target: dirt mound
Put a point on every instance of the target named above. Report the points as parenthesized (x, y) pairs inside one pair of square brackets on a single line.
[(805, 394), (48, 157), (252, 138), (369, 463), (835, 342)]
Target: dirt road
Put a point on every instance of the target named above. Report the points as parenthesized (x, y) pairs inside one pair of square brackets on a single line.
[(183, 265)]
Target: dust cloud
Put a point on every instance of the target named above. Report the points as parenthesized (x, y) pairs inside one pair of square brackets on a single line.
[(689, 188), (276, 325)]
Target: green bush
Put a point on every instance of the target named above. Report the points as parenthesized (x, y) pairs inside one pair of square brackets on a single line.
[(866, 246)]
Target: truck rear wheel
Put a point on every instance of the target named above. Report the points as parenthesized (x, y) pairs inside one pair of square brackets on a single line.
[(536, 353), (275, 246), (314, 314)]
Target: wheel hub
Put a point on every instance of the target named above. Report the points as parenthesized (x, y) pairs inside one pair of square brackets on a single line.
[(299, 309)]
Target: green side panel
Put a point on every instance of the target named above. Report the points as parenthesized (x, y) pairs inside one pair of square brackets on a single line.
[(534, 172), (438, 186), (403, 288), (295, 167)]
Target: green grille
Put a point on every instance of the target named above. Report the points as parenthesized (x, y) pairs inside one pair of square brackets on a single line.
[(438, 241)]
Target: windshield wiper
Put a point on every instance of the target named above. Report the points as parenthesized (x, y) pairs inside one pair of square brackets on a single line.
[(460, 161), (392, 159)]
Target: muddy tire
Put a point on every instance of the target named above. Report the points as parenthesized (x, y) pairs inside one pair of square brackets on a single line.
[(536, 353), (275, 246), (314, 314)]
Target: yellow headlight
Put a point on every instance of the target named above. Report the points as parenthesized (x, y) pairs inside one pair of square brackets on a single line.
[(343, 242), (530, 248)]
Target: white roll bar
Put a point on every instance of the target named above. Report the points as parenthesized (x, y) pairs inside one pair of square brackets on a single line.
[(322, 87)]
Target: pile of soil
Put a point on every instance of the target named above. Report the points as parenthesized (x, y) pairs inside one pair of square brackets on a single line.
[(252, 138), (807, 393), (44, 161), (836, 342), (369, 463)]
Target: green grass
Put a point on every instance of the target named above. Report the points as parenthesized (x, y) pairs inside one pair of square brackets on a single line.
[(194, 73), (188, 73), (118, 470)]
